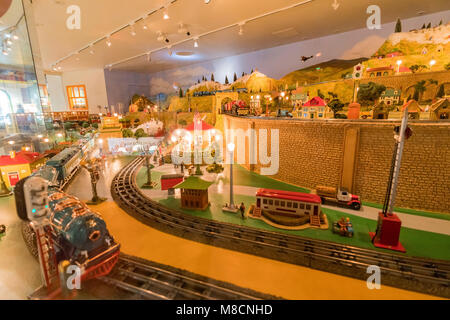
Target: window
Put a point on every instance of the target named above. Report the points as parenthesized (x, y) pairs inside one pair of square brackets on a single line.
[(378, 74), (265, 201), (77, 97), (289, 204), (277, 203), (302, 206), (308, 207), (271, 202), (320, 115), (282, 203), (295, 205)]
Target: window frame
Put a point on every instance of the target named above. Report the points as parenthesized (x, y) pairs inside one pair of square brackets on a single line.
[(71, 98)]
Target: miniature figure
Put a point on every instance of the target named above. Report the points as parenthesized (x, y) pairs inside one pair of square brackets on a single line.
[(343, 227)]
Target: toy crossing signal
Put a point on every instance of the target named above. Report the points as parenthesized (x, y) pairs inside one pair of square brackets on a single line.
[(36, 198)]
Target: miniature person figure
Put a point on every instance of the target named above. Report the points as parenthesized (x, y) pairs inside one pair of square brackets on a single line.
[(242, 209), (342, 224)]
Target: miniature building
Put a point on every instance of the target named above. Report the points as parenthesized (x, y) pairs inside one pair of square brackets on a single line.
[(394, 54), (441, 109), (168, 181), (19, 165), (380, 72), (194, 193), (380, 111), (110, 124), (207, 131), (390, 96), (316, 108), (414, 111)]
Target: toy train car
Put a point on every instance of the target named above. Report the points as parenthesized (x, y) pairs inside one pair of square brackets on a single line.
[(289, 208), (66, 163), (238, 108)]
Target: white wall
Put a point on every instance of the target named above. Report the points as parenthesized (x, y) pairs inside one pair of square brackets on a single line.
[(56, 93), (94, 80)]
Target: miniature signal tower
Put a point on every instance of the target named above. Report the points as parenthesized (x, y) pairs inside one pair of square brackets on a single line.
[(389, 225)]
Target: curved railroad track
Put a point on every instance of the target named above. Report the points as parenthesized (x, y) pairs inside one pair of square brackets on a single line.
[(148, 280), (411, 273)]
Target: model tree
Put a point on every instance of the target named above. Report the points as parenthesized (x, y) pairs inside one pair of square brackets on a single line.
[(417, 67), (243, 74), (335, 105), (370, 92), (423, 27), (429, 26), (441, 91), (235, 77), (93, 167), (419, 89), (226, 80), (181, 93), (212, 78), (398, 26), (140, 133), (127, 133)]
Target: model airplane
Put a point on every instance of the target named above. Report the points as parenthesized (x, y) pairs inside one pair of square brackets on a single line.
[(304, 59)]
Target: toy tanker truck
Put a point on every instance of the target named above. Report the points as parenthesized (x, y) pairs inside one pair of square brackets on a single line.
[(340, 197)]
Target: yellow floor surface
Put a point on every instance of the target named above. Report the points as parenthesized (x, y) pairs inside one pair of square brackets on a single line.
[(264, 275)]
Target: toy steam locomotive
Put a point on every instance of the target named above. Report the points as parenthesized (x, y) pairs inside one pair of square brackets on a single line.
[(78, 234)]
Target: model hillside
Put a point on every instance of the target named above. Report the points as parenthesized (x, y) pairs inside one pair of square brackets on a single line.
[(415, 48), (330, 70)]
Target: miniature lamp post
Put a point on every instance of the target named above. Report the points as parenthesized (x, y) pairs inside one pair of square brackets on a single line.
[(148, 184), (432, 63), (230, 147), (399, 62), (94, 171)]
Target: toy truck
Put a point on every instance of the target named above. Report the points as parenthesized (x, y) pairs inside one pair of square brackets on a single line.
[(339, 197)]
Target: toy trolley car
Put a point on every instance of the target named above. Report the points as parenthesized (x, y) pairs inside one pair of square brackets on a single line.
[(289, 208)]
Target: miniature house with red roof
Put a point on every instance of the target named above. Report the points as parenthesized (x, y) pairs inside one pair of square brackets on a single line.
[(316, 108), (16, 166)]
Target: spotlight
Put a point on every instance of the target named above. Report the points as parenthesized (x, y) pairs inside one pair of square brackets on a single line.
[(169, 48), (132, 30), (108, 41), (160, 36), (207, 1), (241, 29), (166, 13), (9, 42), (196, 43), (149, 57), (15, 37), (91, 51)]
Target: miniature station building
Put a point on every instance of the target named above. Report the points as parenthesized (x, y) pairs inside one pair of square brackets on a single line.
[(16, 166), (380, 72), (440, 110), (194, 193)]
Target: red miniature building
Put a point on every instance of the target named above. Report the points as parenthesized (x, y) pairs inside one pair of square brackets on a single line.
[(168, 181)]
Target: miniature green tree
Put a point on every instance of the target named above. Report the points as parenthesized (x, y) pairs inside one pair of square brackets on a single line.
[(320, 94), (235, 77), (423, 27), (95, 125), (226, 80), (212, 78), (370, 92), (398, 26), (182, 122), (419, 89), (127, 133), (441, 91), (198, 170), (181, 93), (140, 133), (68, 125), (85, 125), (429, 25), (335, 105)]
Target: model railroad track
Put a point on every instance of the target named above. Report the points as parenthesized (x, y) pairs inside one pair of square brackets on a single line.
[(418, 274), (148, 280)]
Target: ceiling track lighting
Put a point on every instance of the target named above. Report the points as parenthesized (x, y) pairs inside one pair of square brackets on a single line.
[(108, 41), (132, 29), (241, 28), (169, 49), (166, 13), (149, 56), (207, 1), (91, 47), (195, 42)]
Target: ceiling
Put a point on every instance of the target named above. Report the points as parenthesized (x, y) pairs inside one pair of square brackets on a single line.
[(99, 18)]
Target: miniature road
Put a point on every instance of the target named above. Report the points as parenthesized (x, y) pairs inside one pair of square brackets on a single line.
[(408, 220)]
